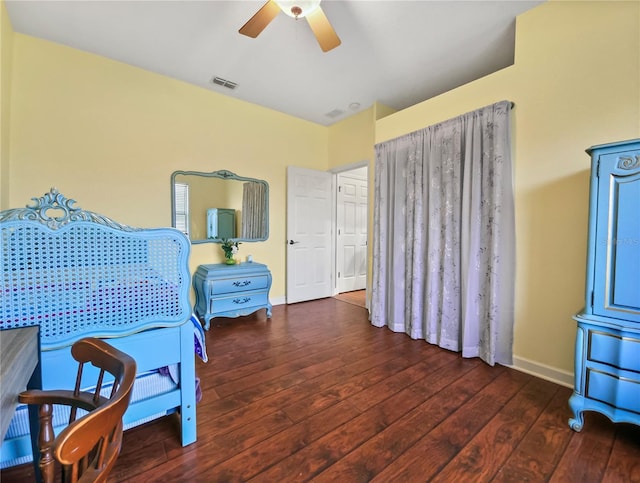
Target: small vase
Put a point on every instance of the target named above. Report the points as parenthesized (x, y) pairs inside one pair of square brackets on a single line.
[(230, 261)]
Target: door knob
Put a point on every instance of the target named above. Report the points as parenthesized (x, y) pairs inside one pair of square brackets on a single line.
[(291, 242)]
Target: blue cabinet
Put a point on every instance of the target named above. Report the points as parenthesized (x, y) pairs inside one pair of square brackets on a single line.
[(221, 223), (607, 364), (231, 290)]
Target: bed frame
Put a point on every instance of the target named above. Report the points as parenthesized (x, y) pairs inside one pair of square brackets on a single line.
[(76, 273)]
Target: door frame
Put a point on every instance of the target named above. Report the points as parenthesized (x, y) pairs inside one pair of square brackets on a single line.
[(334, 220)]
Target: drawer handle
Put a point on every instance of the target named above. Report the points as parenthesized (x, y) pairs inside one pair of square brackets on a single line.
[(244, 283), (241, 301)]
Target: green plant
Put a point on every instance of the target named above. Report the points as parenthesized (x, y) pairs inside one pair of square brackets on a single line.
[(230, 248)]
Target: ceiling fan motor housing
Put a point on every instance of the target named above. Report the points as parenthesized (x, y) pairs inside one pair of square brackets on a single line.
[(310, 9), (298, 8)]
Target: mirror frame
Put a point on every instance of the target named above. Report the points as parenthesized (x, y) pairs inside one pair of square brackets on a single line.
[(224, 175)]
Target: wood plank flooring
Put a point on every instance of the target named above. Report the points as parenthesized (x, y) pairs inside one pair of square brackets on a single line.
[(317, 393), (357, 297)]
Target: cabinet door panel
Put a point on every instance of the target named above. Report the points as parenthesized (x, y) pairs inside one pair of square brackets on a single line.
[(617, 257)]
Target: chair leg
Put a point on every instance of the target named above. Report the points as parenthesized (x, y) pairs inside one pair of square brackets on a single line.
[(45, 440)]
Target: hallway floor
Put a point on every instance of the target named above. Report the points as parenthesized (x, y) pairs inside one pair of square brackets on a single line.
[(357, 297)]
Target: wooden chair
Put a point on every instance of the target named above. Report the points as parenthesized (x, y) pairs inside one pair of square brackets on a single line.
[(88, 447)]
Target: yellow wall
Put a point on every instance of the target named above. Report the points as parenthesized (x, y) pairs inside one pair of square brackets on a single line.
[(351, 140), (109, 135), (6, 56), (575, 83), (382, 110)]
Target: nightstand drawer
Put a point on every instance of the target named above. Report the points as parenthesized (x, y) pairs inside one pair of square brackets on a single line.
[(614, 350), (239, 301), (619, 392), (239, 284)]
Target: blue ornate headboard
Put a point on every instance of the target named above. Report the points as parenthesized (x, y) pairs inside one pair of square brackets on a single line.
[(77, 273)]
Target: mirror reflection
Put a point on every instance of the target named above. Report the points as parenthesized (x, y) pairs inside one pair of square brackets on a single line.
[(210, 207)]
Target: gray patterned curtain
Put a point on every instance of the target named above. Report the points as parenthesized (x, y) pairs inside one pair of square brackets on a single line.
[(253, 210), (444, 235)]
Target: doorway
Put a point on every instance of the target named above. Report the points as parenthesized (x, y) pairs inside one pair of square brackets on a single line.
[(327, 219), (351, 230)]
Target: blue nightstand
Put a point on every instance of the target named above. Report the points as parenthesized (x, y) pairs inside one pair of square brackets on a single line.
[(231, 290)]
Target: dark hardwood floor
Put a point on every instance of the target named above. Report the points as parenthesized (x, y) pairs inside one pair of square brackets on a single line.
[(318, 393)]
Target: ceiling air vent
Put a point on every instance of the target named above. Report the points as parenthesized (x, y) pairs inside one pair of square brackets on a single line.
[(334, 113), (224, 83)]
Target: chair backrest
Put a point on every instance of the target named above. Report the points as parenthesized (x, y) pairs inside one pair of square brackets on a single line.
[(89, 446)]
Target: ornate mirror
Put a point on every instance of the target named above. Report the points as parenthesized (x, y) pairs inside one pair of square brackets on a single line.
[(211, 207)]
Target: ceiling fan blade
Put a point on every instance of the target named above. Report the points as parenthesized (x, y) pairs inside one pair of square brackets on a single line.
[(260, 20), (322, 29)]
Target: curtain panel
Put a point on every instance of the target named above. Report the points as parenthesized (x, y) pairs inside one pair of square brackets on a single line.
[(253, 210), (444, 235)]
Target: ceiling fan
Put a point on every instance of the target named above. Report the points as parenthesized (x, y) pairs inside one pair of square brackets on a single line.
[(309, 9)]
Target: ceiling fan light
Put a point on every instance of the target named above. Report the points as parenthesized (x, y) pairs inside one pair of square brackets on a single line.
[(305, 7)]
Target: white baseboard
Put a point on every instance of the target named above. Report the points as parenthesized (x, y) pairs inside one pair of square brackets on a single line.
[(278, 300), (553, 374)]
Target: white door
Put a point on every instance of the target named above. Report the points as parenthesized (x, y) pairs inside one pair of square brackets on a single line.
[(352, 231), (309, 234)]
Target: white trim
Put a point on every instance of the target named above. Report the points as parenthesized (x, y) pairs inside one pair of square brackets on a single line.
[(278, 300), (342, 170), (334, 233), (553, 374), (350, 167)]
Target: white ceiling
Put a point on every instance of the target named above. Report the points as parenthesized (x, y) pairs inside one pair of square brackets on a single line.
[(396, 52)]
